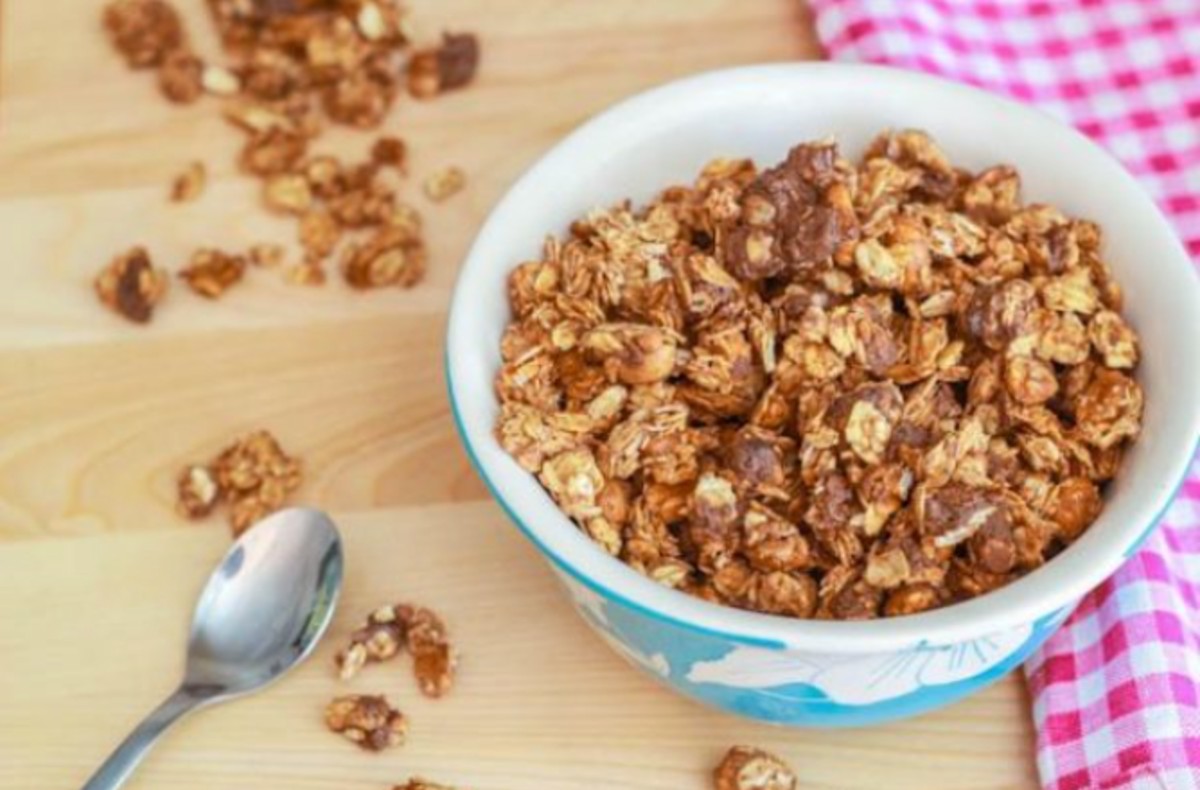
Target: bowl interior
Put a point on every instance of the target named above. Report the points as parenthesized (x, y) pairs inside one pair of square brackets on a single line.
[(665, 137)]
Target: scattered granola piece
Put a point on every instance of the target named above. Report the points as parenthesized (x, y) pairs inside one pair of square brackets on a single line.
[(307, 273), (287, 193), (256, 469), (829, 389), (367, 720), (299, 65), (131, 285), (198, 491), (444, 183), (179, 77), (325, 176), (143, 31), (360, 99), (434, 660), (406, 219), (423, 81), (319, 233), (391, 629), (256, 117), (253, 476), (211, 272), (748, 768), (451, 65), (273, 150), (389, 151), (392, 256), (383, 636), (189, 184), (458, 60), (268, 256)]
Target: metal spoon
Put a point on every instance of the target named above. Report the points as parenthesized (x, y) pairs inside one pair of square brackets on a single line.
[(263, 610)]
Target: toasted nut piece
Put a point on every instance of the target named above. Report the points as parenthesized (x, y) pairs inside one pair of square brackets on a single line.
[(198, 491), (748, 768), (211, 272), (143, 31), (444, 183), (367, 720), (131, 285), (189, 184), (287, 193)]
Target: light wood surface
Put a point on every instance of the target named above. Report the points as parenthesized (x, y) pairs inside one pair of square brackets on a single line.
[(98, 576)]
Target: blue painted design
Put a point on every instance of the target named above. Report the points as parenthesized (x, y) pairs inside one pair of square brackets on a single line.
[(797, 704)]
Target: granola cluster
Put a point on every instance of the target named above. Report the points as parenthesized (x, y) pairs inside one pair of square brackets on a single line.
[(297, 65), (131, 285), (390, 630), (748, 768), (211, 272), (145, 32), (826, 389), (368, 720), (253, 476)]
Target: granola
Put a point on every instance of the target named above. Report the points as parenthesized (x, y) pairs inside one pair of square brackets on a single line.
[(253, 476), (131, 285), (292, 68), (444, 183), (389, 631), (198, 491), (307, 273), (143, 31), (367, 720), (392, 256), (383, 636), (748, 768), (389, 151), (189, 184), (438, 69), (180, 77), (826, 389), (434, 659), (212, 272)]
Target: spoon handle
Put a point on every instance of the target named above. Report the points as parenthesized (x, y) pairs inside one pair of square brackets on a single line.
[(120, 764)]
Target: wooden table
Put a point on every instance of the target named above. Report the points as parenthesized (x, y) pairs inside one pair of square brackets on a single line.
[(97, 574)]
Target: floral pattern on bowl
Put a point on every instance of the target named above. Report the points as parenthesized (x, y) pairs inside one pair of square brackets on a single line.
[(785, 685)]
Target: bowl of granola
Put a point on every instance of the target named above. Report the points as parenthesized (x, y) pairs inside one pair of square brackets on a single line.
[(821, 419)]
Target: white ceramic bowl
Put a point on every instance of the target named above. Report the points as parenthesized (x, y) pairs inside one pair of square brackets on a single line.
[(813, 672)]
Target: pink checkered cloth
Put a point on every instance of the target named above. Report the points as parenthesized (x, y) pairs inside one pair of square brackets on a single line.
[(1115, 691)]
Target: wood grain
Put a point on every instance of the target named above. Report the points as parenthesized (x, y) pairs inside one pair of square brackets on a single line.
[(97, 574), (542, 703)]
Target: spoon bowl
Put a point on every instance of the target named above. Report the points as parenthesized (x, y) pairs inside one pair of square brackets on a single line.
[(261, 613), (267, 604)]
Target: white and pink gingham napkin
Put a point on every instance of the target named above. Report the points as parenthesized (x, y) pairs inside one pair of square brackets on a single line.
[(1116, 692)]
